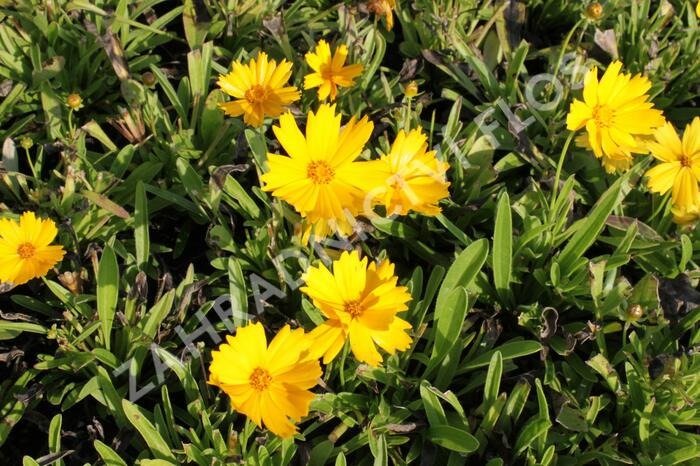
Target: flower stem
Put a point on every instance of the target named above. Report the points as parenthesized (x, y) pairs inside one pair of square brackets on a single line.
[(557, 176)]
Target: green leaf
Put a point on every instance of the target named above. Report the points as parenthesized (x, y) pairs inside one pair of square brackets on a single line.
[(453, 438), (448, 326), (493, 379), (107, 292), (141, 234), (109, 456), (533, 429), (149, 433), (503, 250), (463, 270), (588, 229), (510, 350)]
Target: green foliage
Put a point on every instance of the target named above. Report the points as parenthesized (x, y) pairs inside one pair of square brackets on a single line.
[(525, 350)]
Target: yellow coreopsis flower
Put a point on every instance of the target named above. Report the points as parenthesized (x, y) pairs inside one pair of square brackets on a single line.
[(679, 170), (259, 88), (413, 179), (319, 177), (330, 71), (686, 217), (361, 304), (269, 384), (697, 9), (383, 8), (25, 248), (616, 113)]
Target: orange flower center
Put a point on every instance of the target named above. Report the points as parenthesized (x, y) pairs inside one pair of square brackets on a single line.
[(26, 250), (397, 182), (603, 116), (260, 379), (320, 172), (686, 162), (353, 308), (256, 94)]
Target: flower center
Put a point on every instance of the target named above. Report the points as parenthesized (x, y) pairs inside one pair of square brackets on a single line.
[(320, 172), (256, 94), (26, 250), (353, 308), (397, 182), (260, 379), (685, 161), (603, 116)]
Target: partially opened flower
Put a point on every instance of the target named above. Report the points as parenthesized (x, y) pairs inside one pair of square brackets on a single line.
[(616, 113), (361, 304), (383, 8), (413, 179), (269, 384), (687, 216), (319, 177), (330, 71), (25, 248), (259, 89), (679, 170)]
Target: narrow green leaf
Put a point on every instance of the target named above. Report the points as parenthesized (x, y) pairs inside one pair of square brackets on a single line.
[(463, 270), (503, 250), (141, 234), (453, 438), (149, 433), (107, 292), (588, 229)]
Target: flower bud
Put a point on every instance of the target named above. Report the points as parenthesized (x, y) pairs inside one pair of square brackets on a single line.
[(410, 89), (594, 11), (635, 312), (74, 101)]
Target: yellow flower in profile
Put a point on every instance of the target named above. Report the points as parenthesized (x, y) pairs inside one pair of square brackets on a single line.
[(413, 179), (383, 8), (685, 217), (25, 248), (361, 304), (259, 89), (319, 177), (679, 170), (330, 71), (615, 112), (269, 384), (410, 89)]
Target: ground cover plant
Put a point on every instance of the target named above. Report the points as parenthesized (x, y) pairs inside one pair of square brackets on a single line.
[(362, 232)]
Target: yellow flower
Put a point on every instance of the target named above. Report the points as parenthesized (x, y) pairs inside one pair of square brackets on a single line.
[(679, 170), (25, 250), (383, 8), (259, 88), (329, 70), (413, 179), (615, 112), (687, 216), (410, 89), (269, 384), (360, 303), (697, 9), (319, 178)]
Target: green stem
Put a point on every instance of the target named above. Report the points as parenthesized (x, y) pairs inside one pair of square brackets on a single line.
[(557, 176)]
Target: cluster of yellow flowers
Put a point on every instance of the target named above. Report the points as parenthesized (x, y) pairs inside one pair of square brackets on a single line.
[(320, 176), (271, 384), (621, 122), (25, 249)]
